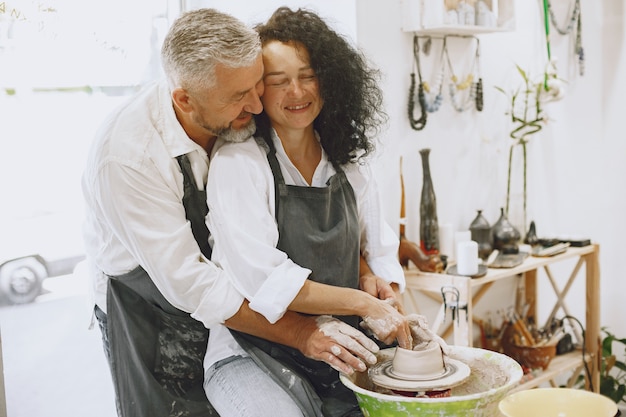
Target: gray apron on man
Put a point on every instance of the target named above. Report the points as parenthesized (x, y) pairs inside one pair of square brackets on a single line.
[(319, 230), (156, 350)]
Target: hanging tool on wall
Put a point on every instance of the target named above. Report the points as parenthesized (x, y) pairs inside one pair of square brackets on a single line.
[(433, 92), (574, 24), (417, 124), (465, 92)]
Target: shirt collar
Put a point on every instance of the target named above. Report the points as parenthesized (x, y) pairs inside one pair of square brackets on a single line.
[(174, 136), (280, 151), (323, 171)]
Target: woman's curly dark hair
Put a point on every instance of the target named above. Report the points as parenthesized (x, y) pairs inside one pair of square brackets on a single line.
[(353, 109)]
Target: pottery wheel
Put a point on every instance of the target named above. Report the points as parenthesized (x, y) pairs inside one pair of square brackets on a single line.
[(454, 374)]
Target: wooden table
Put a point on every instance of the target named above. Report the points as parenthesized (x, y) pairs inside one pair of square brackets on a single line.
[(471, 290)]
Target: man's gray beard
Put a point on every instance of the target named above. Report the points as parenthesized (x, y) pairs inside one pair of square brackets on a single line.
[(238, 135)]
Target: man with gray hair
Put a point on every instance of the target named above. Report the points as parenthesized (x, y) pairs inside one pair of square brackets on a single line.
[(156, 290)]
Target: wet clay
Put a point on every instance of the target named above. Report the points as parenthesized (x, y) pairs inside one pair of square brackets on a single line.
[(485, 375), (492, 376)]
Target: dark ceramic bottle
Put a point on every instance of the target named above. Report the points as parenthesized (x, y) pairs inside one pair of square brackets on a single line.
[(481, 234), (531, 236), (429, 225), (505, 235)]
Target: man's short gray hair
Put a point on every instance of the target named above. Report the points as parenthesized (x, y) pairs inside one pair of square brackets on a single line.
[(201, 39)]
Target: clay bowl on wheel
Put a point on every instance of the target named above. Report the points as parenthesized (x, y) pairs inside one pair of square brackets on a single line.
[(492, 376), (423, 363)]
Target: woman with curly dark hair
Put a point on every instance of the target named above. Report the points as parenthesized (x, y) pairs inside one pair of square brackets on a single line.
[(353, 107), (296, 217)]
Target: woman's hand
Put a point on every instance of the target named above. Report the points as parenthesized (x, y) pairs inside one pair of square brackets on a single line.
[(387, 323), (376, 286), (384, 314), (381, 289), (422, 334)]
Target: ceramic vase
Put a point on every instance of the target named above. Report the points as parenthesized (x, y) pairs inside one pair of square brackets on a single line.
[(531, 236), (481, 234), (429, 225), (505, 235)]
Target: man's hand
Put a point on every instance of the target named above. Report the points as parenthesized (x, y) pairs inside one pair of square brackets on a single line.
[(336, 343)]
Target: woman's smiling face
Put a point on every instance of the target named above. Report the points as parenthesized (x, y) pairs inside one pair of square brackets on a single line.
[(291, 97)]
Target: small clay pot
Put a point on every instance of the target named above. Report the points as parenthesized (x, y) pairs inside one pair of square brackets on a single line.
[(427, 362)]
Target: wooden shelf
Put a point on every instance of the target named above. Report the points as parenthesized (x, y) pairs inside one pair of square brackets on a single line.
[(568, 362), (432, 17), (458, 30), (471, 290)]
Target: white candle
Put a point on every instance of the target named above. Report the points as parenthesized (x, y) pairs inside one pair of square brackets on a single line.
[(460, 236), (467, 258), (446, 240)]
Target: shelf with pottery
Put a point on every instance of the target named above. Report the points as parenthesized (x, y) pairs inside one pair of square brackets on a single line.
[(457, 17), (467, 292)]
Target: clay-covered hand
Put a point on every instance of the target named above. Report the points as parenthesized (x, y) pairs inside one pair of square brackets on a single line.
[(410, 251), (387, 324), (423, 334), (340, 345)]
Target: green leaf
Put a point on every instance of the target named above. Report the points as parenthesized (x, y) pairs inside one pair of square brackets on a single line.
[(617, 395), (522, 73), (500, 89), (607, 345), (613, 371)]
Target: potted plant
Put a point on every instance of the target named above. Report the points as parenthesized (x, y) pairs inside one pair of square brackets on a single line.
[(612, 369), (528, 117)]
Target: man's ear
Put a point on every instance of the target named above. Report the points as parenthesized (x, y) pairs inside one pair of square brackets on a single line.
[(182, 100)]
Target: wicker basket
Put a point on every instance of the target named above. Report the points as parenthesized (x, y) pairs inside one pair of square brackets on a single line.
[(532, 357)]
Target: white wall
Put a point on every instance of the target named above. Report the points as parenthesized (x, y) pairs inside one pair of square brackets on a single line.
[(577, 180), (340, 14), (576, 175)]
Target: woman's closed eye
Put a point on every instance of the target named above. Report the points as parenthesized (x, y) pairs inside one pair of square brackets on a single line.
[(274, 81)]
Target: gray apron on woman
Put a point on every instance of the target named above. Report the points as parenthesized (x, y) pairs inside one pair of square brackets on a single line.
[(319, 230), (157, 350)]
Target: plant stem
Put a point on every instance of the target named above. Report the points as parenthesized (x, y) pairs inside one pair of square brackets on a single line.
[(524, 151), (521, 142), (508, 181)]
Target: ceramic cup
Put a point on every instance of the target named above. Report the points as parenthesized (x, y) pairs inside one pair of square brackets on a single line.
[(419, 363)]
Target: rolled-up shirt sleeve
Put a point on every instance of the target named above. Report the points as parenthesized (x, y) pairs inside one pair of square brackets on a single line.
[(240, 194), (379, 243), (148, 218)]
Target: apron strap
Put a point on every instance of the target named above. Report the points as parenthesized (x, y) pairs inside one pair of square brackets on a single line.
[(268, 145), (196, 209)]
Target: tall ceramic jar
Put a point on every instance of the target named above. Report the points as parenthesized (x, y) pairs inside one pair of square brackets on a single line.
[(429, 225), (481, 234), (505, 235)]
